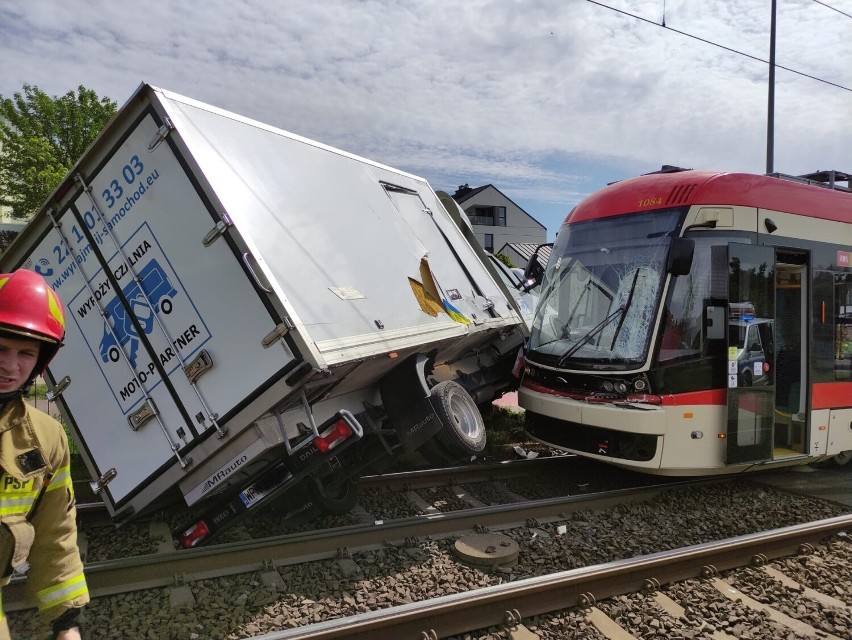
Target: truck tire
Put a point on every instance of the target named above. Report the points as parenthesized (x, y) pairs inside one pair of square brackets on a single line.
[(436, 454), (333, 500), (462, 434)]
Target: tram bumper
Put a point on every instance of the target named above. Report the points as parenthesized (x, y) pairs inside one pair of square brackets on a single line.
[(630, 434)]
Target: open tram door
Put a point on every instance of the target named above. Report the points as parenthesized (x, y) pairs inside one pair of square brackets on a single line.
[(767, 353), (750, 353), (791, 357)]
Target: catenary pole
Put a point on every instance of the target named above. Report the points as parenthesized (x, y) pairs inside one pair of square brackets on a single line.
[(770, 112)]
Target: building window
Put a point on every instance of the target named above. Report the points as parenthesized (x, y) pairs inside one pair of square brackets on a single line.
[(489, 242), (481, 215), (500, 216), (488, 216)]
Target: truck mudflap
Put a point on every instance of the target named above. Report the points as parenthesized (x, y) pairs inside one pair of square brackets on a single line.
[(321, 458), (406, 398)]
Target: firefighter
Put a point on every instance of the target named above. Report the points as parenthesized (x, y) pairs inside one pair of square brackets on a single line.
[(38, 530)]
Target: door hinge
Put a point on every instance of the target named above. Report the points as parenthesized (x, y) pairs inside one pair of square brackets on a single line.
[(161, 134), (277, 333), (99, 484), (58, 388), (221, 227)]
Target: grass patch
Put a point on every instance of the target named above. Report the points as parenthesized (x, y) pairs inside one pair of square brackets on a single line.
[(503, 427), (38, 391), (72, 446), (78, 468), (36, 395)]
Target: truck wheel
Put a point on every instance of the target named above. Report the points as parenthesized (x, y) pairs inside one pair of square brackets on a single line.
[(436, 454), (843, 458), (335, 499), (463, 430)]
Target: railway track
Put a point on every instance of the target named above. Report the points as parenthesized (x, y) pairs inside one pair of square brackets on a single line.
[(160, 569), (505, 607), (310, 575), (385, 497)]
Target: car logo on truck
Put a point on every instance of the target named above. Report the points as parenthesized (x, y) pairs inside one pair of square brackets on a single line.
[(152, 288)]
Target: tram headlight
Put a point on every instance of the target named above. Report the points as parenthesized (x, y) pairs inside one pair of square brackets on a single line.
[(621, 387), (640, 384), (608, 386)]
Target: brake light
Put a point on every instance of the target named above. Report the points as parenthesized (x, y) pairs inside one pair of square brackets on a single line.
[(339, 432), (195, 534)]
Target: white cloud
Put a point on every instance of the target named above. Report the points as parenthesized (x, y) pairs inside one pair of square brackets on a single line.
[(481, 91)]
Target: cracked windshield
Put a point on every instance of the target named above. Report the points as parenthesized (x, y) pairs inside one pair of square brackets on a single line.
[(601, 290)]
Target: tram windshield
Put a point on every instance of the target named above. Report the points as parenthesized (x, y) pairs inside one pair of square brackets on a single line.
[(602, 288)]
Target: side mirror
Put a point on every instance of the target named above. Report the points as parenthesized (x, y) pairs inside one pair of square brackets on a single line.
[(680, 256), (534, 273)]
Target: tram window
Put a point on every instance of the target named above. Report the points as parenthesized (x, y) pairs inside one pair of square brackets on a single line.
[(683, 314), (843, 327)]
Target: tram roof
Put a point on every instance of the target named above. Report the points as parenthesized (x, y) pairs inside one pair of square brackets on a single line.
[(664, 190)]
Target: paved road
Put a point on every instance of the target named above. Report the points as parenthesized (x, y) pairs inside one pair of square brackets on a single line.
[(823, 481)]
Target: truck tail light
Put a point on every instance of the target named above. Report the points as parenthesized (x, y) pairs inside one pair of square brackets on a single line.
[(339, 432), (195, 534)]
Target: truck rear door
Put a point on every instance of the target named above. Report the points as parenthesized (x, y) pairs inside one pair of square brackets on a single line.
[(163, 331)]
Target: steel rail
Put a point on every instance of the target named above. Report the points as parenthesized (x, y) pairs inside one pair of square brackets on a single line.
[(465, 473), (176, 567), (493, 606)]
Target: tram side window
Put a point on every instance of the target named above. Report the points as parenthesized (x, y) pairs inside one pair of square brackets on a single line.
[(843, 327), (683, 316)]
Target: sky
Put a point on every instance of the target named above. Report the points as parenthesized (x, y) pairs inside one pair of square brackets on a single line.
[(547, 100)]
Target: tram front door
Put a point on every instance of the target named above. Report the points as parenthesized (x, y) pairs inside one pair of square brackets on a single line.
[(791, 363), (750, 353)]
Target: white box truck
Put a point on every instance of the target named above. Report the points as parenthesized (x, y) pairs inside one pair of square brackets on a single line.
[(257, 318)]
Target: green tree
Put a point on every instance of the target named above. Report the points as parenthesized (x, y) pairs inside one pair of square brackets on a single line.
[(502, 257), (41, 138)]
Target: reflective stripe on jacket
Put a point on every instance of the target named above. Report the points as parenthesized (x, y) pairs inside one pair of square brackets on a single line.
[(37, 508)]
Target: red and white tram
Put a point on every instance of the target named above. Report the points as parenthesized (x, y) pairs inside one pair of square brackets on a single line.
[(696, 323)]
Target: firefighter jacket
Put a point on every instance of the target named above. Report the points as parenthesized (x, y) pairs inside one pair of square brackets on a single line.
[(37, 511)]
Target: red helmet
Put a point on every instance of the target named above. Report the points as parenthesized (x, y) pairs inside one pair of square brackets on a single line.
[(31, 309)]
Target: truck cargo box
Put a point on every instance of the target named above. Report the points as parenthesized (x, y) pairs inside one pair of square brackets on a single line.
[(230, 287)]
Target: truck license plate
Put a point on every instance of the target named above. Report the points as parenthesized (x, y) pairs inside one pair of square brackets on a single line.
[(251, 495)]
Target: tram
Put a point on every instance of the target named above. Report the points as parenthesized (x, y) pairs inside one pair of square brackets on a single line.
[(697, 323)]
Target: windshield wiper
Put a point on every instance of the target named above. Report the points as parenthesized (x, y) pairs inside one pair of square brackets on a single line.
[(603, 324), (625, 308), (600, 326)]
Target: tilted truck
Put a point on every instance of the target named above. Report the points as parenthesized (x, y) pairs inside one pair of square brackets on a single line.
[(255, 318)]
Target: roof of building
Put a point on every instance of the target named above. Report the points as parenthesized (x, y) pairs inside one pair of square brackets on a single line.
[(465, 192), (527, 249)]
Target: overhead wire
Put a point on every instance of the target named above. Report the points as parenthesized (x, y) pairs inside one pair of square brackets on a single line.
[(721, 46), (828, 6)]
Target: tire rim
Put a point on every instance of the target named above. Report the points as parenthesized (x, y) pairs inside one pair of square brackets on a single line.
[(463, 417)]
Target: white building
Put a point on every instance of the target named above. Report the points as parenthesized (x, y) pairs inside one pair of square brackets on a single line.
[(496, 220)]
